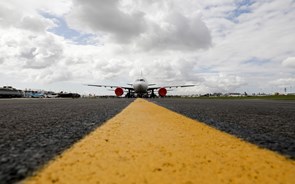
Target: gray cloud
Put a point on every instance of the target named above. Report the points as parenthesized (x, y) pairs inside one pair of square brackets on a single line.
[(105, 16), (8, 16), (177, 32), (289, 62), (169, 71), (43, 53), (224, 82), (11, 16), (173, 30), (52, 75), (36, 24), (112, 68), (28, 50), (284, 82)]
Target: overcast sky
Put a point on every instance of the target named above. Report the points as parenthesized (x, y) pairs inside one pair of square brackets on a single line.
[(219, 45)]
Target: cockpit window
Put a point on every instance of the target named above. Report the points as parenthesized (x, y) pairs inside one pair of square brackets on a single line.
[(141, 80)]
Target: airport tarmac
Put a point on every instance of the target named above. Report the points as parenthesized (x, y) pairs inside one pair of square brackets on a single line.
[(267, 123), (33, 132)]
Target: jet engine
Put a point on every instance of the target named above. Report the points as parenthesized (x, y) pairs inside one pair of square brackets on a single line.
[(162, 92), (119, 91)]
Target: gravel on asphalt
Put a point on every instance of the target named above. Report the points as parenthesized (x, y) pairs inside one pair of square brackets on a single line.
[(267, 123), (34, 131)]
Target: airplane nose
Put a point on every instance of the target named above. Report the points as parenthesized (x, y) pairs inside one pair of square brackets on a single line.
[(140, 86)]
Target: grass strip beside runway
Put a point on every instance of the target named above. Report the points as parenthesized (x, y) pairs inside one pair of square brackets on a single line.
[(147, 143)]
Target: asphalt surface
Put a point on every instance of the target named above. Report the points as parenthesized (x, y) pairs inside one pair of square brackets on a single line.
[(32, 132), (267, 123), (147, 143)]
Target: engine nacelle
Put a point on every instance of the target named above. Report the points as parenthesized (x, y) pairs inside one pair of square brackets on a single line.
[(162, 92), (119, 91)]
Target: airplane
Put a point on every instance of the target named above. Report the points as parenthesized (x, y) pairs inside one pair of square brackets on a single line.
[(141, 88)]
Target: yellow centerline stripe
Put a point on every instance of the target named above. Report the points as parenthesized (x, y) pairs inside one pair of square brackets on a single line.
[(146, 143)]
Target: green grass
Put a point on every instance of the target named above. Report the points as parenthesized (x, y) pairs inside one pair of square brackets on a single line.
[(272, 97)]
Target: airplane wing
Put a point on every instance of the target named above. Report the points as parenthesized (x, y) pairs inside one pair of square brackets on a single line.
[(109, 86), (177, 86)]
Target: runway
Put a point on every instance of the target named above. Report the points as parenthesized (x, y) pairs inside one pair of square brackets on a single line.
[(156, 145), (34, 131), (267, 123)]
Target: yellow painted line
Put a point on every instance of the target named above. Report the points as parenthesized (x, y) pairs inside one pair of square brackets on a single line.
[(147, 143)]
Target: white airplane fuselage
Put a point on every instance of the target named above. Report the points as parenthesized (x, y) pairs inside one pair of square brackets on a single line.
[(140, 86)]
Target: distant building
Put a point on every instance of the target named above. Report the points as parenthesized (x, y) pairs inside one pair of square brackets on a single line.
[(34, 94), (10, 92), (68, 95), (234, 94)]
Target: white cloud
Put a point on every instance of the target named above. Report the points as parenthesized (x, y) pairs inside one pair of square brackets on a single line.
[(29, 50), (289, 62), (50, 75), (97, 16), (221, 45), (36, 24), (224, 82), (284, 82), (6, 17), (138, 27), (176, 32)]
